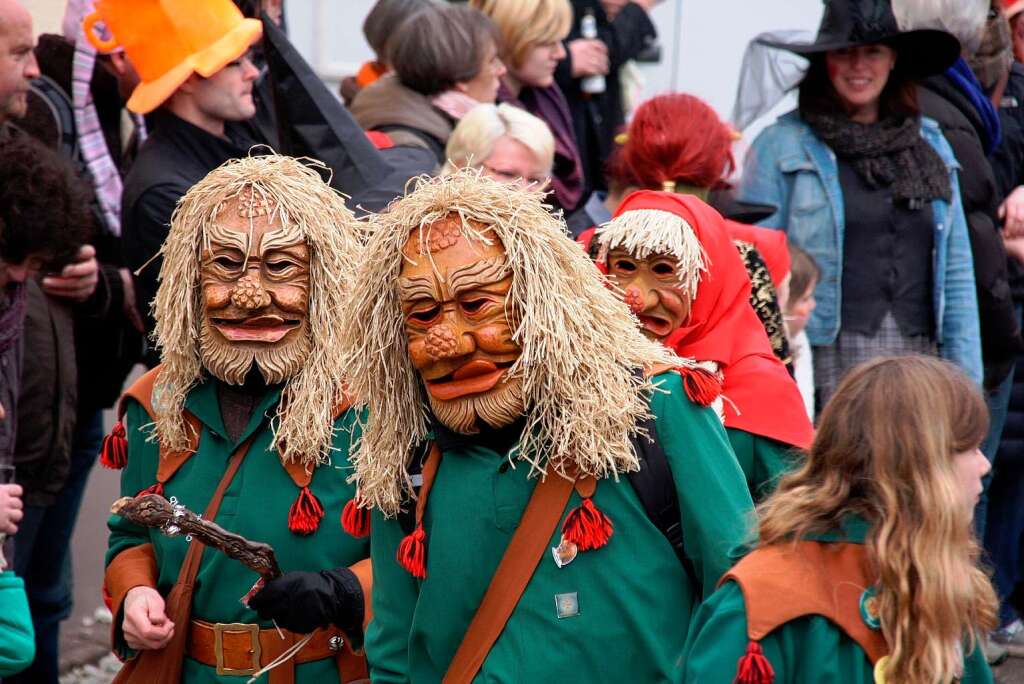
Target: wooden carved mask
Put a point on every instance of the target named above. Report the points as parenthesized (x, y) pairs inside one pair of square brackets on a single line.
[(454, 292), (255, 276), (652, 290)]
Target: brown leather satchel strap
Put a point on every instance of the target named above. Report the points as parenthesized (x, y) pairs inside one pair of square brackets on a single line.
[(524, 553), (166, 663)]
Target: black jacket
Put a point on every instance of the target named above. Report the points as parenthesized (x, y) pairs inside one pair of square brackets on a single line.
[(1000, 332), (104, 337), (1008, 160), (597, 118), (176, 156)]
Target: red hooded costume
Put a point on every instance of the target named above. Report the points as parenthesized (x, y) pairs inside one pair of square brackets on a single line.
[(760, 396)]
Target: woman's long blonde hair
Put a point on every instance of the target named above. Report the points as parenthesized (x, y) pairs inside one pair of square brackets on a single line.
[(884, 451)]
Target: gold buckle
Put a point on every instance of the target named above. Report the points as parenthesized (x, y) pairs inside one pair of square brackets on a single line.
[(219, 629)]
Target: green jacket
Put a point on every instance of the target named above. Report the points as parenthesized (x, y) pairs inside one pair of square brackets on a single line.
[(808, 650), (763, 460), (17, 640), (255, 505), (633, 597)]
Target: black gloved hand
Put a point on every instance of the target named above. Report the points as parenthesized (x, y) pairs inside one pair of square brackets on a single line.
[(303, 601)]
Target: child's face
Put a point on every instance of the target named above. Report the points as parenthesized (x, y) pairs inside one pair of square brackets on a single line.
[(970, 467), (799, 310)]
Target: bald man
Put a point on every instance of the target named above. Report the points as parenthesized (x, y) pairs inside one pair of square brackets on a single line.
[(17, 61)]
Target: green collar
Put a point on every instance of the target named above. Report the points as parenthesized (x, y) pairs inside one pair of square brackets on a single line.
[(203, 403), (853, 529)]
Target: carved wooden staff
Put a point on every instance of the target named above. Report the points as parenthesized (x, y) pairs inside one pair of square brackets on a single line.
[(173, 519)]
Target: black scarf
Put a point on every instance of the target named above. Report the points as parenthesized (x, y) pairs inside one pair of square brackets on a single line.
[(889, 153)]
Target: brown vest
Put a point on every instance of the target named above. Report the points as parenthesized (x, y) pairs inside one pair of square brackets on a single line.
[(783, 582)]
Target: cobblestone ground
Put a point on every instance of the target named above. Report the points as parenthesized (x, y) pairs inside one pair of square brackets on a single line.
[(102, 671)]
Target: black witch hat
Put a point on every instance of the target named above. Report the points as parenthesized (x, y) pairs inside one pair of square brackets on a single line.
[(850, 23)]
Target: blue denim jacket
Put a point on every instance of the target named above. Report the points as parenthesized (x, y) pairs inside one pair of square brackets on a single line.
[(789, 167)]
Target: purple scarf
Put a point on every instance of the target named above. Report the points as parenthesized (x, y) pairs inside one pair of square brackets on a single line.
[(12, 316), (549, 105)]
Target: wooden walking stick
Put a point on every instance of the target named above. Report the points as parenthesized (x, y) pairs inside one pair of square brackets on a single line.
[(173, 519)]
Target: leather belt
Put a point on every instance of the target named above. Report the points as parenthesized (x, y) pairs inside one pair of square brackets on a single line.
[(237, 649)]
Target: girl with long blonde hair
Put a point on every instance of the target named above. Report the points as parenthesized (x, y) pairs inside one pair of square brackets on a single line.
[(866, 569)]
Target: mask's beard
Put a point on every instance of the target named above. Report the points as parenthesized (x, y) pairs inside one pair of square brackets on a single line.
[(501, 406), (276, 363)]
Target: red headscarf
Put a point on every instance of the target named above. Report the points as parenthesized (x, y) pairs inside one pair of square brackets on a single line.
[(761, 397), (770, 243)]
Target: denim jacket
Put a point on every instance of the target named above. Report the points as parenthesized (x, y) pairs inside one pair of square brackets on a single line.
[(790, 168)]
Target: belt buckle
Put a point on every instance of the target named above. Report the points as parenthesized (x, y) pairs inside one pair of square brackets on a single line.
[(255, 651)]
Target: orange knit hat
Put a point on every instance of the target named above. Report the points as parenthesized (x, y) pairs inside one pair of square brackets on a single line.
[(1012, 8), (169, 40)]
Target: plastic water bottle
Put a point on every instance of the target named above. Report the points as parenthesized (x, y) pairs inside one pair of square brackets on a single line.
[(592, 85)]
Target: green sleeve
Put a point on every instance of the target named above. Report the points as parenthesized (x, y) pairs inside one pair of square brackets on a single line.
[(764, 461), (394, 601), (17, 640), (976, 669), (139, 473), (718, 638), (714, 504)]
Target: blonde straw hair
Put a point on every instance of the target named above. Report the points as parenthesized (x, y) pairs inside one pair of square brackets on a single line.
[(643, 232), (884, 451), (525, 24), (582, 349), (473, 139), (300, 199)]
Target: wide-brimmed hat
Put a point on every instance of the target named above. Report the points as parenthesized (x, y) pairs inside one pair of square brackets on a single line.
[(850, 23), (169, 40)]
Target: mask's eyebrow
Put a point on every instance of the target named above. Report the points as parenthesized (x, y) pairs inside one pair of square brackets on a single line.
[(479, 273), (416, 287), (231, 238), (280, 238)]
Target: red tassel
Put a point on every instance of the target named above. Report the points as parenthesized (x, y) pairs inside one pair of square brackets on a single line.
[(412, 553), (114, 453), (587, 527), (158, 488), (355, 520), (306, 513), (754, 667), (701, 385)]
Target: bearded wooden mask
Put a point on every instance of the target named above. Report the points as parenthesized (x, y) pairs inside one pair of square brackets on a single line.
[(255, 279), (652, 290), (454, 292)]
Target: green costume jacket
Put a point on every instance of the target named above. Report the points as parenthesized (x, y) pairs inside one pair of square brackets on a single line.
[(763, 460), (807, 650), (619, 613), (17, 641), (256, 505)]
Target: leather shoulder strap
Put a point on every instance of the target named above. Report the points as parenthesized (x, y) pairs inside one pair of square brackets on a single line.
[(524, 553), (816, 579)]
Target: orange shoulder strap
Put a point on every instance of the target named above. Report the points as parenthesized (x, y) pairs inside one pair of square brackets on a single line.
[(816, 579), (524, 553), (142, 391)]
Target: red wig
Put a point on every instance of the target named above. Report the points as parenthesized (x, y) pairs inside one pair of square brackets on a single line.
[(677, 138)]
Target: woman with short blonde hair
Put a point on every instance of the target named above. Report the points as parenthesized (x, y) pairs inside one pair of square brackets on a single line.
[(532, 32), (506, 143)]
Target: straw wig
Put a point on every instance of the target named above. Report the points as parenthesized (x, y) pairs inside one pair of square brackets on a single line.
[(300, 200), (581, 347)]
